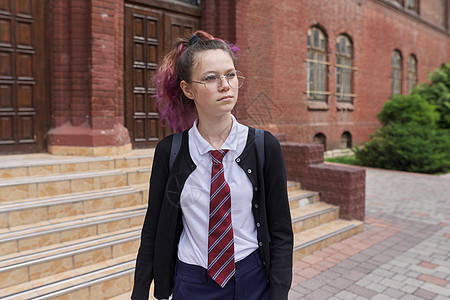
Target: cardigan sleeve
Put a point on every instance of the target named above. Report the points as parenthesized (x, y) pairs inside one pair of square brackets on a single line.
[(278, 219), (143, 275)]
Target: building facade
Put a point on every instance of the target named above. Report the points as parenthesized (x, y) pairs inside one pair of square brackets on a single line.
[(75, 76)]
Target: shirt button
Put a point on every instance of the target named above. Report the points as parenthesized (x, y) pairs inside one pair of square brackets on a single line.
[(264, 263), (260, 244), (258, 225), (238, 159), (249, 171), (256, 188), (256, 205)]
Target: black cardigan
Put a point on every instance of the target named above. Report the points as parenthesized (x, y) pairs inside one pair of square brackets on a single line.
[(163, 223)]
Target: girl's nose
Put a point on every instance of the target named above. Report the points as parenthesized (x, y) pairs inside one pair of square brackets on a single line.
[(223, 85)]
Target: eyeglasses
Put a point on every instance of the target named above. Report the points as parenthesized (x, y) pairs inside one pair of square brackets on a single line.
[(212, 82)]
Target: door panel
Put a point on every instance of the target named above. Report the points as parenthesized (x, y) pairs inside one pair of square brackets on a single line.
[(22, 78), (148, 33)]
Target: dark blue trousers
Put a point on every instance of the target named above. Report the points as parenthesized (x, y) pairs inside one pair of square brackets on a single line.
[(248, 283)]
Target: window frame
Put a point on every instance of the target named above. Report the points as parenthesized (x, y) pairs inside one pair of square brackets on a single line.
[(344, 70), (320, 139), (190, 2), (317, 65), (443, 13), (411, 79), (396, 73), (413, 5), (349, 140)]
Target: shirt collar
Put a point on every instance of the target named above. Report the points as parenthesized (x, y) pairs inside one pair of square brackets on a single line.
[(204, 147)]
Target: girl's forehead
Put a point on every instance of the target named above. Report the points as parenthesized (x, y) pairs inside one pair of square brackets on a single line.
[(212, 59)]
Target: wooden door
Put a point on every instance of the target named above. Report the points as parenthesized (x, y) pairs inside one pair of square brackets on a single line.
[(23, 76), (149, 32)]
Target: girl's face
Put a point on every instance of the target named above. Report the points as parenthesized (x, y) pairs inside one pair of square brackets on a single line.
[(209, 65)]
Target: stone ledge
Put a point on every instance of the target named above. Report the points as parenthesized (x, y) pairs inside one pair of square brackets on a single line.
[(90, 151)]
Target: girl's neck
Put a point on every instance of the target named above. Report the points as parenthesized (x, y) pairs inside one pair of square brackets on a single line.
[(215, 130)]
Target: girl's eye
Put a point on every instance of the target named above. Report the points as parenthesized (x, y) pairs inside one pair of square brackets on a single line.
[(211, 78), (231, 75)]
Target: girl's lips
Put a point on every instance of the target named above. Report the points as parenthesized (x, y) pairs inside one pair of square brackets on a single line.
[(225, 98)]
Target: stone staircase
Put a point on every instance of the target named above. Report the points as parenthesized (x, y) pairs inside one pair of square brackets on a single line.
[(70, 226)]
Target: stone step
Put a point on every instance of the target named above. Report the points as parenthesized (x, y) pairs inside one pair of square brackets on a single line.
[(53, 185), (22, 267), (319, 237), (17, 213), (67, 255), (42, 164), (301, 198), (98, 281), (315, 214), (293, 186), (127, 295), (70, 226), (51, 233), (124, 296)]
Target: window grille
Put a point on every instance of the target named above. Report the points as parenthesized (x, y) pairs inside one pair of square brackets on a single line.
[(413, 5), (396, 73), (344, 69), (443, 13), (317, 65), (412, 73)]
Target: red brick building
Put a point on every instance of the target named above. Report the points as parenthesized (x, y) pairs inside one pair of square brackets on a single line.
[(74, 74)]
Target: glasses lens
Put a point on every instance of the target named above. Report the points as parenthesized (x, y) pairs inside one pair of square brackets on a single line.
[(211, 85), (236, 81)]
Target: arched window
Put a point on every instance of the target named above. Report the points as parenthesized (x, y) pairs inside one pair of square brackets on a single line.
[(321, 139), (443, 13), (344, 69), (346, 140), (317, 65), (192, 2), (412, 73), (413, 5), (396, 73)]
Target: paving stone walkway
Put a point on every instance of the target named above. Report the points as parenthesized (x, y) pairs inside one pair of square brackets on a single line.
[(403, 252)]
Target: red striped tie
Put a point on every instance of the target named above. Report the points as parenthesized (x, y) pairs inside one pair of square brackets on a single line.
[(221, 266)]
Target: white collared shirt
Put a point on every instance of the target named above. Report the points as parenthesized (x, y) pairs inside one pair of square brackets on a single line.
[(193, 245)]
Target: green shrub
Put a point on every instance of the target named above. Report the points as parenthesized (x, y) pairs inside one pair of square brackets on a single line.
[(348, 160), (416, 132), (437, 92), (408, 147), (408, 108)]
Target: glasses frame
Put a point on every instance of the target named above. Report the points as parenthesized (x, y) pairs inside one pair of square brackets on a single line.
[(238, 75)]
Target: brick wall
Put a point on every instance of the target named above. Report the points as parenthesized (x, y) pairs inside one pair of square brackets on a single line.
[(273, 36), (339, 185), (87, 74), (70, 50)]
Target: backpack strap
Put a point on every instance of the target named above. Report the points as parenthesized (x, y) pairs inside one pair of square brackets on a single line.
[(176, 145), (259, 140)]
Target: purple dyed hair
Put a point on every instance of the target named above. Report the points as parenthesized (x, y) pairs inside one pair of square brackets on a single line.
[(174, 107)]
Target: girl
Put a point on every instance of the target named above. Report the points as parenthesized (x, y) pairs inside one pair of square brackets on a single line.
[(218, 223)]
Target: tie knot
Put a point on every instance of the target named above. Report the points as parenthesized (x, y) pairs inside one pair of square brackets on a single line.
[(217, 155)]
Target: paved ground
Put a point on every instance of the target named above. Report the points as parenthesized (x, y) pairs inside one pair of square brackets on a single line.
[(403, 253)]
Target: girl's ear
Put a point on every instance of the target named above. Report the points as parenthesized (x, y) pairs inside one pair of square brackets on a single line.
[(186, 89)]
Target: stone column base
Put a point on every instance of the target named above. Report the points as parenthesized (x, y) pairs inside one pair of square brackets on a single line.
[(84, 141), (90, 151)]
